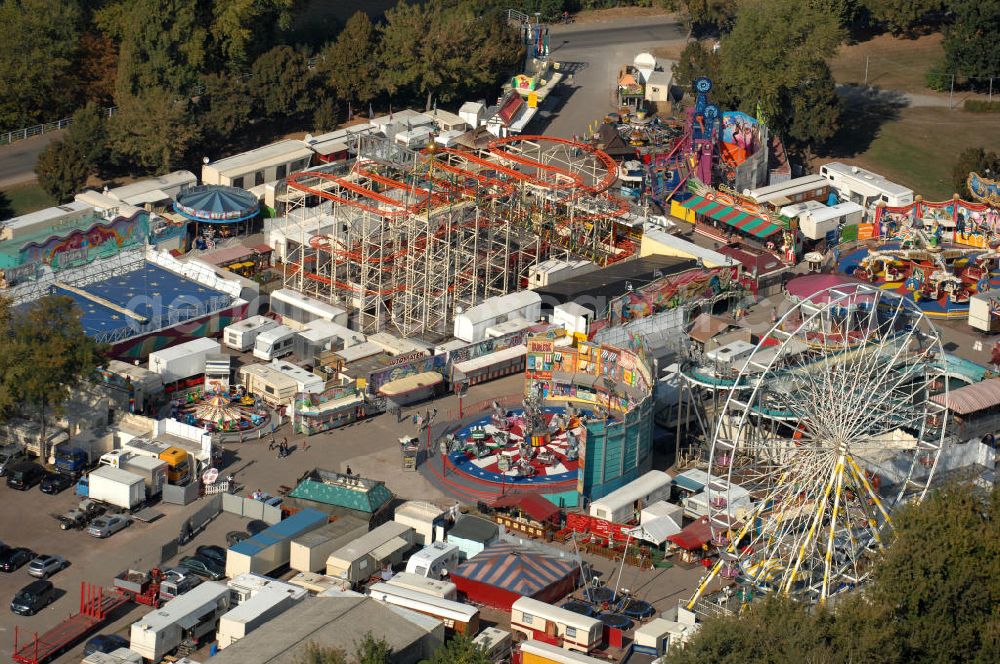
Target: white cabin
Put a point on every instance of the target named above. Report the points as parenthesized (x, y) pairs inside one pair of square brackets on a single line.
[(864, 187), (622, 505), (471, 324)]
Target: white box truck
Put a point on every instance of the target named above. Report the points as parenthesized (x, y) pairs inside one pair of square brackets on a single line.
[(152, 471), (984, 311), (183, 360), (241, 336), (117, 487)]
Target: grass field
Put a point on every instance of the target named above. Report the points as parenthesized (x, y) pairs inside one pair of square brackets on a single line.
[(23, 199), (920, 147), (912, 143), (893, 63)]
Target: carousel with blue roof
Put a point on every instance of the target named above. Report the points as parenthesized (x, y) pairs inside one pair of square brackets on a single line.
[(219, 212)]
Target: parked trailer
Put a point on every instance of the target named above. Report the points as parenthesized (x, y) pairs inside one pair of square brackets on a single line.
[(463, 618), (538, 652), (191, 616), (183, 360), (95, 606), (621, 505), (297, 310), (536, 619), (365, 556), (271, 548), (242, 335), (496, 643), (432, 587), (309, 551), (264, 605), (435, 560), (274, 343), (117, 487)]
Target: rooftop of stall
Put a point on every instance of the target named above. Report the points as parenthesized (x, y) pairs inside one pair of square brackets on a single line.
[(598, 288)]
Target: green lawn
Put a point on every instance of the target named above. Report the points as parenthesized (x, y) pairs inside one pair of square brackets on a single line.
[(919, 149), (22, 199)]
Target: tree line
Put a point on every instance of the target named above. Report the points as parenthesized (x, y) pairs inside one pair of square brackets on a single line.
[(194, 78), (934, 597)]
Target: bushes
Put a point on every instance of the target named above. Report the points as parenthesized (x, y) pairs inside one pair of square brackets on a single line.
[(938, 77), (981, 106)]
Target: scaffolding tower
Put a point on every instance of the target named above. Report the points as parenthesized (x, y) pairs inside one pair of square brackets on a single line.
[(408, 238)]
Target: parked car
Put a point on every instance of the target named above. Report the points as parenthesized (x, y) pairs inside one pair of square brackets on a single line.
[(54, 483), (205, 567), (44, 566), (14, 558), (234, 537), (11, 455), (105, 643), (108, 525), (177, 581), (212, 552), (24, 475), (33, 598)]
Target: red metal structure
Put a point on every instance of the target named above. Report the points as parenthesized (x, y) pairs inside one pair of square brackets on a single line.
[(95, 605)]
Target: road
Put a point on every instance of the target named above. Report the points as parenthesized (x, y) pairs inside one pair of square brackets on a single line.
[(593, 53), (17, 160)]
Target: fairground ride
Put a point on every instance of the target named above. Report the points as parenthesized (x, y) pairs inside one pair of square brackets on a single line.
[(821, 438), (407, 237)]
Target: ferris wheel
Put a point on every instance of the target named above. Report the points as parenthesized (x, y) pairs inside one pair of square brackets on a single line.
[(829, 428)]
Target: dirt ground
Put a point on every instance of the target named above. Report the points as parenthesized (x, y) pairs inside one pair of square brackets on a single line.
[(614, 13)]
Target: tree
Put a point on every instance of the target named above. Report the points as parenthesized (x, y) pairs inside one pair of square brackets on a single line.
[(10, 366), (224, 107), (444, 51), (37, 60), (970, 42), (243, 28), (313, 653), (325, 115), (902, 16), (459, 650), (161, 44), (709, 16), (939, 582), (98, 68), (974, 160), (932, 597), (89, 133), (773, 630), (372, 650), (282, 82), (153, 130), (54, 353), (350, 65), (785, 74), (697, 59), (62, 169)]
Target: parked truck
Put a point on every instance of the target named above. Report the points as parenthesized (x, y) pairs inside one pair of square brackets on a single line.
[(81, 515), (152, 470), (116, 487), (72, 460), (177, 459)]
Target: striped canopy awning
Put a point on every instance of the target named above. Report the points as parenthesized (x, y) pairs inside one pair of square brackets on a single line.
[(735, 217)]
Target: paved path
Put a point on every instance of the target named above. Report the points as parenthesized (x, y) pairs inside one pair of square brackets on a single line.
[(17, 160), (593, 53)]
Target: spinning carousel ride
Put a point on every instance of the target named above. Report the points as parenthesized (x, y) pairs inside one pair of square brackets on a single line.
[(223, 412), (528, 445), (916, 261), (830, 431)]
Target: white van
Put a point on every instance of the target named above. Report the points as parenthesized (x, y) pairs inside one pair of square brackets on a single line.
[(241, 336), (274, 343)]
